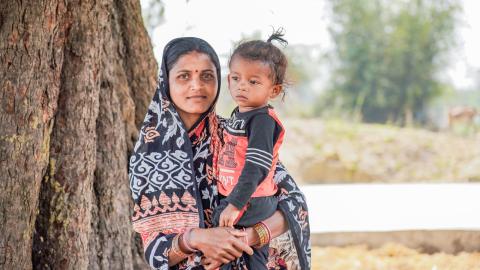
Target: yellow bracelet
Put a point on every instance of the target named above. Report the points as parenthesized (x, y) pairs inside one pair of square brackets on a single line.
[(263, 233)]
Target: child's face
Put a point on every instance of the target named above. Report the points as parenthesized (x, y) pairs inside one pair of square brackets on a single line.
[(250, 84)]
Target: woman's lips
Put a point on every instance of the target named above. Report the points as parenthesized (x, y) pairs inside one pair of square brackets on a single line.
[(197, 97)]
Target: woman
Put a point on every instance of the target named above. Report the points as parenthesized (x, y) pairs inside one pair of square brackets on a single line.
[(172, 181)]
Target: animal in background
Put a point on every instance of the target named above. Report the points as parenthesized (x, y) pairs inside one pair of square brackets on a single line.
[(461, 114)]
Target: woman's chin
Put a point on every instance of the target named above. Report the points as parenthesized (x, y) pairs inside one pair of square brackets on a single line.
[(196, 109), (199, 105)]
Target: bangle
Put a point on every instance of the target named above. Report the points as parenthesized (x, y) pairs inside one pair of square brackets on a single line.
[(176, 247), (268, 230), (186, 241), (264, 234)]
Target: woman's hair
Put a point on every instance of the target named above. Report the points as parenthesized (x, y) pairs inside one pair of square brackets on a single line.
[(181, 46), (266, 52)]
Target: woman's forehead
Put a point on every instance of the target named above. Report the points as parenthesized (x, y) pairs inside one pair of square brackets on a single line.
[(194, 61)]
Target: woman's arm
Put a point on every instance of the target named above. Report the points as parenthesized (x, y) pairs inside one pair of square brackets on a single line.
[(175, 258), (276, 223)]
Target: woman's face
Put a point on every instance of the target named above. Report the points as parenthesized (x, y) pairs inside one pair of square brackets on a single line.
[(193, 85)]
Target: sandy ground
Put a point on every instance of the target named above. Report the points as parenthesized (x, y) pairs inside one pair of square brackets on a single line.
[(389, 257)]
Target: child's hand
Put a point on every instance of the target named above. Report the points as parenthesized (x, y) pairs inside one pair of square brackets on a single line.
[(228, 216)]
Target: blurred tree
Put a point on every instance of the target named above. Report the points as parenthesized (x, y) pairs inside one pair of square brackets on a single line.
[(153, 12), (389, 55), (303, 68)]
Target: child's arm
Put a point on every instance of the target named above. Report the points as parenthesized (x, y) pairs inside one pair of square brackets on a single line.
[(262, 133), (229, 216)]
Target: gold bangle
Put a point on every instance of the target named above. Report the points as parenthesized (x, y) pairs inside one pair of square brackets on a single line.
[(263, 233)]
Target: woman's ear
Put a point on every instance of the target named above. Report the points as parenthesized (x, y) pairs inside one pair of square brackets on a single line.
[(276, 90)]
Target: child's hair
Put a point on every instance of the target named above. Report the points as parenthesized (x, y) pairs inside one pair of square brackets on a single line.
[(267, 53)]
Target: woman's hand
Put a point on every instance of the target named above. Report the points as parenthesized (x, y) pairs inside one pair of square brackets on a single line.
[(220, 244), (210, 264)]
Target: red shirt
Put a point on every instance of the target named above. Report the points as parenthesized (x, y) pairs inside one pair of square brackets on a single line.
[(248, 158)]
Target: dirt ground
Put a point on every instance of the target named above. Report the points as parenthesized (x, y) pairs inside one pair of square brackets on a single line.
[(316, 152), (389, 257)]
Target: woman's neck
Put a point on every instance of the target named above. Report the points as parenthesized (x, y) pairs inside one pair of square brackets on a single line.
[(188, 119)]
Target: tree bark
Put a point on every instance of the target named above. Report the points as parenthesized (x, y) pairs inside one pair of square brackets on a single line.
[(76, 79)]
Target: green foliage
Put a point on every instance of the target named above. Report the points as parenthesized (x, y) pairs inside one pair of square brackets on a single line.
[(389, 54)]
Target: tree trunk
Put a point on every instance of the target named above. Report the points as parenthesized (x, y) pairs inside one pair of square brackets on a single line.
[(76, 79)]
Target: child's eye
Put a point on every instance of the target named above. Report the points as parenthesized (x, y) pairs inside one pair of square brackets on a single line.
[(254, 82), (235, 78)]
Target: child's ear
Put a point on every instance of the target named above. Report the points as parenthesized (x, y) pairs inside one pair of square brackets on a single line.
[(228, 79), (276, 90)]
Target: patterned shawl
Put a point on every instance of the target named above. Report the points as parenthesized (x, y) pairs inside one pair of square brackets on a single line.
[(172, 183)]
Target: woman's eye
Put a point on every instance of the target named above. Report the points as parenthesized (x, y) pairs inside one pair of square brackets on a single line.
[(208, 76), (183, 76)]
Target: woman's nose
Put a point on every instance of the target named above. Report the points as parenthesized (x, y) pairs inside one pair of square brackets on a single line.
[(196, 83)]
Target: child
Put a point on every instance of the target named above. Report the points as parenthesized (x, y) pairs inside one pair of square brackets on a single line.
[(252, 138)]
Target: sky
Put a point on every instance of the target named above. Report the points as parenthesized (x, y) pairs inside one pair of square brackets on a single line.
[(222, 22)]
